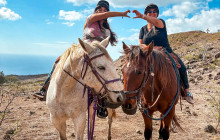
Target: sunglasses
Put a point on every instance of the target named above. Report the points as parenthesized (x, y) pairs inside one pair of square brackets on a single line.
[(154, 11)]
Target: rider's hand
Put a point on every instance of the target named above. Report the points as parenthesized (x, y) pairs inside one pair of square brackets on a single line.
[(138, 14), (125, 13)]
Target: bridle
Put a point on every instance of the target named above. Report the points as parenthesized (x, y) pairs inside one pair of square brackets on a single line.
[(141, 106), (136, 93), (87, 61)]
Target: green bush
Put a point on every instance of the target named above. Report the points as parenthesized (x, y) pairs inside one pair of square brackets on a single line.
[(10, 78), (2, 78)]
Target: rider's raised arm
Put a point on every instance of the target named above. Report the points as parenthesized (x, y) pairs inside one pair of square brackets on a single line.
[(100, 16)]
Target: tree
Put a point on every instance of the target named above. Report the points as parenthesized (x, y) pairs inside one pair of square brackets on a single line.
[(2, 78)]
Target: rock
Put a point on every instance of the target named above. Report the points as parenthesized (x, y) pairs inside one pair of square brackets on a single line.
[(199, 78), (194, 114), (205, 69), (209, 49), (217, 77), (210, 129), (31, 112), (139, 132), (10, 131), (7, 137), (217, 55), (73, 135)]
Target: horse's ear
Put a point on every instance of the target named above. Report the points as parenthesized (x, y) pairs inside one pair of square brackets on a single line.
[(86, 47), (126, 48), (147, 48), (150, 47), (105, 42)]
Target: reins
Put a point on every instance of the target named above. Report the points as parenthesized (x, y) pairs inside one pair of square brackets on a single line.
[(91, 91), (151, 73), (174, 65)]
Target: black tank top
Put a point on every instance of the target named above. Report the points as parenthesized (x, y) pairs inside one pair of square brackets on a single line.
[(159, 35)]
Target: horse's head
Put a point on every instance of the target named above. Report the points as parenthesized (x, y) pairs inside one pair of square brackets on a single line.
[(134, 73), (100, 74)]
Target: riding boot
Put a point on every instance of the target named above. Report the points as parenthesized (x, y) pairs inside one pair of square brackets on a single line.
[(101, 110), (43, 92), (189, 98)]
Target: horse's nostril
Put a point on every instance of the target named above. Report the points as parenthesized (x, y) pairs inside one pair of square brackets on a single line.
[(128, 106), (119, 99)]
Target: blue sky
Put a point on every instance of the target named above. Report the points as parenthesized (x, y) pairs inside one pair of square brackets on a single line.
[(49, 27)]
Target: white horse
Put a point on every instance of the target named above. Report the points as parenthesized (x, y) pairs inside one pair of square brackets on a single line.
[(65, 97)]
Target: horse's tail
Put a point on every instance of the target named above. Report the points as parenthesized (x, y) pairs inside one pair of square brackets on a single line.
[(176, 123)]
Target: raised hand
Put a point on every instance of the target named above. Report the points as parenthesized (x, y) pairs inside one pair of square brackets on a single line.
[(138, 14), (125, 14)]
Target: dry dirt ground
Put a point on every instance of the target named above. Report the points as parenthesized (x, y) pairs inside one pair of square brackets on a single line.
[(31, 119)]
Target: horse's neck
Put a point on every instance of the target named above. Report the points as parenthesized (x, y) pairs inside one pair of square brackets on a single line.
[(63, 79)]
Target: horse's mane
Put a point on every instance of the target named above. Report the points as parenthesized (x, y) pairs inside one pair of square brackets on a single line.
[(162, 65), (77, 52)]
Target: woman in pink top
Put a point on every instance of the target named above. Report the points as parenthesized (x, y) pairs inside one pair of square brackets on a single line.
[(97, 26)]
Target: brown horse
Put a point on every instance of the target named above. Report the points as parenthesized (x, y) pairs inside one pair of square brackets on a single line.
[(150, 83)]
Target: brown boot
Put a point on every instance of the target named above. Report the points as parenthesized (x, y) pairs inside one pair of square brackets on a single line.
[(40, 95), (189, 98), (43, 92)]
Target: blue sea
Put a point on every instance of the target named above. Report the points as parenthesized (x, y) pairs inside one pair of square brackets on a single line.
[(26, 64)]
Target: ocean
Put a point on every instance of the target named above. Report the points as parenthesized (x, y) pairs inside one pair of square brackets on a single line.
[(26, 64)]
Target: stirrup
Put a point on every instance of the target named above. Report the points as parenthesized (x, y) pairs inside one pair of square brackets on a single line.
[(189, 94), (40, 95)]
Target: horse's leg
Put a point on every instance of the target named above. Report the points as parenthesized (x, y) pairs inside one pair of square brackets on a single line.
[(148, 126), (167, 122), (91, 111), (110, 120), (60, 125), (80, 124), (161, 127)]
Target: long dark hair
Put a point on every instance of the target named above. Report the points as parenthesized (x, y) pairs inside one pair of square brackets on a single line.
[(113, 36)]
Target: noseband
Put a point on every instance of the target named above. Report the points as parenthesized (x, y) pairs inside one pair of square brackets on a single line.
[(88, 62), (137, 91)]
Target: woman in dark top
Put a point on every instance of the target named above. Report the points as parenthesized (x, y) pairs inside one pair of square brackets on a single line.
[(156, 30)]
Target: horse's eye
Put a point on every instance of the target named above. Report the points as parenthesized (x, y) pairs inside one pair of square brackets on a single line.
[(139, 72), (101, 67)]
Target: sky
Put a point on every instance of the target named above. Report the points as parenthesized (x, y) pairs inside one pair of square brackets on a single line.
[(49, 27)]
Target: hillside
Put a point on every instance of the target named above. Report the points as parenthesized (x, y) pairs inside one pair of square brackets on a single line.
[(28, 118)]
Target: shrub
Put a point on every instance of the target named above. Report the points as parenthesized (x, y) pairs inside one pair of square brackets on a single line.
[(10, 78), (2, 78)]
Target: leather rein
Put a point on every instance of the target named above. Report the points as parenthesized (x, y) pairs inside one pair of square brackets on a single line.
[(88, 62), (144, 81)]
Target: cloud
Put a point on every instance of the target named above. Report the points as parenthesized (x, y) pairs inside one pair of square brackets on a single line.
[(129, 3), (70, 15), (70, 24), (6, 13), (49, 22), (58, 44), (132, 39), (80, 2), (206, 19), (184, 9), (3, 2)]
